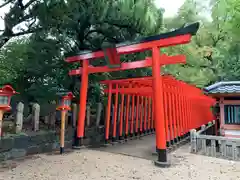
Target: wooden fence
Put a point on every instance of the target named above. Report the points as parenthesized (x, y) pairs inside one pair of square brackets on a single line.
[(205, 143)]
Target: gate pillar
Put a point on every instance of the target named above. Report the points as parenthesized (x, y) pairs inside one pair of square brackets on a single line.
[(159, 109)]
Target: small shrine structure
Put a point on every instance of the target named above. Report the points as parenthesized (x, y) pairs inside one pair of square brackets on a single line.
[(227, 94)]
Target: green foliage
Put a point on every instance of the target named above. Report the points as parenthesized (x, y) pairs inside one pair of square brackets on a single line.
[(12, 60), (66, 28), (35, 66), (212, 54)]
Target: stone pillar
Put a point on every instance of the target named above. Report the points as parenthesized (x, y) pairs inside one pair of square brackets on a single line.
[(19, 117), (36, 116), (74, 115), (88, 116), (52, 120), (193, 139), (46, 119), (203, 127), (99, 113)]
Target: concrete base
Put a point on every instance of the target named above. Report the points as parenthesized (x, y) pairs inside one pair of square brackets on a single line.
[(79, 147), (107, 144), (114, 142), (136, 137), (154, 153), (131, 138), (149, 132), (122, 141), (162, 164), (135, 148), (61, 150)]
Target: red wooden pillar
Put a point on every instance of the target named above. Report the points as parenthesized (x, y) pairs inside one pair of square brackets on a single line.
[(169, 111), (176, 109), (83, 103), (185, 111), (188, 112), (132, 113), (179, 121), (137, 115), (158, 109), (153, 118), (141, 115), (166, 109), (145, 115), (127, 116), (149, 114), (121, 117), (182, 109), (108, 112), (115, 114)]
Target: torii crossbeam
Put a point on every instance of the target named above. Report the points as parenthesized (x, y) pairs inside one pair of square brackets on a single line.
[(112, 55)]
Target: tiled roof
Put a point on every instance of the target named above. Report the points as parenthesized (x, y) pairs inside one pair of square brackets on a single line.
[(224, 87)]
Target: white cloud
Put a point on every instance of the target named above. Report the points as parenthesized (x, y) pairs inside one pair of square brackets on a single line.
[(171, 6)]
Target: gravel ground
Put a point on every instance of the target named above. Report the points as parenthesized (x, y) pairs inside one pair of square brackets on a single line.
[(92, 164)]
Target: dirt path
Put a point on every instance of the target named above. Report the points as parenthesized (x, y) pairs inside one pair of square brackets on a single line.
[(99, 165)]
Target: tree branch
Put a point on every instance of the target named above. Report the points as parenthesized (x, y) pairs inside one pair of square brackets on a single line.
[(28, 4), (6, 3), (119, 25), (99, 31), (26, 32)]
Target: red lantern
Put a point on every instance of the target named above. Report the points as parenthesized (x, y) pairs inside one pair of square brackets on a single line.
[(6, 92), (64, 106), (65, 102)]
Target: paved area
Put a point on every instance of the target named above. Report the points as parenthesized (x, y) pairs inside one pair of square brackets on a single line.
[(142, 148), (102, 165)]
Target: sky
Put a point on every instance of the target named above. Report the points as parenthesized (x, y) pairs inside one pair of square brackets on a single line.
[(171, 7)]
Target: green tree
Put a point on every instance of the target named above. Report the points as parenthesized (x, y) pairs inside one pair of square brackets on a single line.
[(21, 19), (69, 27), (210, 49)]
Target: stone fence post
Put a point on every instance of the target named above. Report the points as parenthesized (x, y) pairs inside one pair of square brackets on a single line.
[(203, 127), (88, 114), (19, 117), (193, 138), (52, 120), (36, 116), (74, 115), (99, 113)]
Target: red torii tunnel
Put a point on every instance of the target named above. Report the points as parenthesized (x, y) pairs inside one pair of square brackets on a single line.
[(170, 106), (182, 103)]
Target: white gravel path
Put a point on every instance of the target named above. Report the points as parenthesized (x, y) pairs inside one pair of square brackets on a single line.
[(91, 164)]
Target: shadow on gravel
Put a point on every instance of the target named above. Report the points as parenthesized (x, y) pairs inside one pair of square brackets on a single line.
[(11, 164), (57, 152)]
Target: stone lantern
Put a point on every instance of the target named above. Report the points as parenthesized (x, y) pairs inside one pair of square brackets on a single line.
[(6, 92), (63, 105)]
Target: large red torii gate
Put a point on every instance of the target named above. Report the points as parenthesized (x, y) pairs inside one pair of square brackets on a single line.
[(112, 55)]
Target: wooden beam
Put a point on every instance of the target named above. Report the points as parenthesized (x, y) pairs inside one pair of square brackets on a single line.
[(182, 39), (165, 60)]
